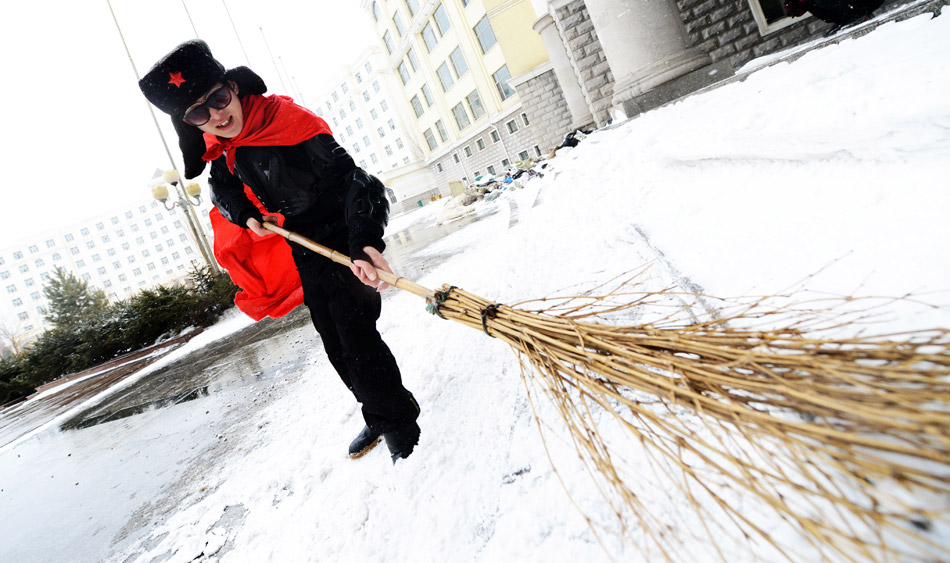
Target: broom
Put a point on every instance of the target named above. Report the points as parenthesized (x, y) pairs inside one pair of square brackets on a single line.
[(845, 439)]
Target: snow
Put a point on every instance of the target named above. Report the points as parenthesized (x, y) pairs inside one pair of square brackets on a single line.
[(824, 176)]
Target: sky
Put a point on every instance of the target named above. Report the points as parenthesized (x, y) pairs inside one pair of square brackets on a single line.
[(79, 137)]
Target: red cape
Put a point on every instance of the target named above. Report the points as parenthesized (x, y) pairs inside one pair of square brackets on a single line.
[(261, 266)]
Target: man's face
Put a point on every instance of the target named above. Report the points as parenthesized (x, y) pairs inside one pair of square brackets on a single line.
[(226, 122)]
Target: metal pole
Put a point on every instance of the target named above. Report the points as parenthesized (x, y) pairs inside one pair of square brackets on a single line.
[(191, 21), (247, 60), (209, 258), (266, 44)]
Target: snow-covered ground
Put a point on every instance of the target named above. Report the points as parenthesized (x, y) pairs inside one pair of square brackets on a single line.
[(829, 175)]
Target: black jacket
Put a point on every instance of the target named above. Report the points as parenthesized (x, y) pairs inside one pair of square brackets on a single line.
[(315, 185)]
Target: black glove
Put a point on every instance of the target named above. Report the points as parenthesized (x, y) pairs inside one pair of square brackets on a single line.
[(367, 213)]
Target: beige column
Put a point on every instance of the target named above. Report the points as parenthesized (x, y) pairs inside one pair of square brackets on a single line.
[(566, 77), (645, 44)]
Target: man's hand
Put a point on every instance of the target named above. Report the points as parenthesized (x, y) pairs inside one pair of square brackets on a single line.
[(366, 272), (258, 228)]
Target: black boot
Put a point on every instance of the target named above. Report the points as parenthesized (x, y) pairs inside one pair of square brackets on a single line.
[(363, 443), (402, 440)]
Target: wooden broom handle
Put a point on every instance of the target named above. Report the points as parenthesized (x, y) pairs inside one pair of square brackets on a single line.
[(392, 279)]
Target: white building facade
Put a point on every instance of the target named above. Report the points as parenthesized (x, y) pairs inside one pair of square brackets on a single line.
[(362, 111), (128, 249)]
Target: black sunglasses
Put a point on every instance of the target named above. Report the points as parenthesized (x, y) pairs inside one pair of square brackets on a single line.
[(201, 114)]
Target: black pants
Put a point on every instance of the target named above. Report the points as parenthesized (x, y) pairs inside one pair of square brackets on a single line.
[(344, 312)]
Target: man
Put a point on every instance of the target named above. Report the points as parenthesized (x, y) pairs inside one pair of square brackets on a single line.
[(272, 161)]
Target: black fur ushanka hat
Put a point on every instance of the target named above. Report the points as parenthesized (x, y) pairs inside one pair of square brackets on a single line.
[(182, 76)]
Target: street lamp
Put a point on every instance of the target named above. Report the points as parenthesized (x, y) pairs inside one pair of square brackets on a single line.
[(187, 201)]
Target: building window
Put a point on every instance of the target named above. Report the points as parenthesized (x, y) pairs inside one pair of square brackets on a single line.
[(413, 6), (461, 116), (445, 77), (430, 139), (390, 47), (443, 134), (495, 137), (427, 94), (376, 11), (376, 86), (403, 72), (505, 163), (392, 124), (400, 26), (537, 150), (523, 155), (491, 170), (417, 105), (34, 249), (50, 243), (413, 60), (373, 114), (456, 158), (399, 143), (480, 143), (524, 119), (458, 62), (468, 153), (383, 105), (485, 34), (365, 95), (475, 104), (380, 132), (512, 127), (441, 20), (501, 78), (373, 158), (429, 38)]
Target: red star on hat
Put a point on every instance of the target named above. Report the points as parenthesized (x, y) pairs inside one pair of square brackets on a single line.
[(176, 79)]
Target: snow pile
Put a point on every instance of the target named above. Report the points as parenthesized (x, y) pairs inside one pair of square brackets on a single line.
[(827, 175)]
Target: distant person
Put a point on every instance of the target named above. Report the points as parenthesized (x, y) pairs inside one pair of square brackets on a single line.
[(842, 13), (274, 161)]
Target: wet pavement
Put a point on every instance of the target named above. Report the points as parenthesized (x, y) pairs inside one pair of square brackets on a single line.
[(240, 359), (106, 466)]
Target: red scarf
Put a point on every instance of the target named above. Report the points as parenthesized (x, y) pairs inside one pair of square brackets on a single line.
[(261, 266)]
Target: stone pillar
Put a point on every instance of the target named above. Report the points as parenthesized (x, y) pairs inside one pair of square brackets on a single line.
[(645, 43), (576, 104)]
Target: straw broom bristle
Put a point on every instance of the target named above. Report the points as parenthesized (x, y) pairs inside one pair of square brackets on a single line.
[(809, 426)]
